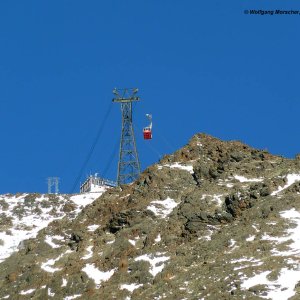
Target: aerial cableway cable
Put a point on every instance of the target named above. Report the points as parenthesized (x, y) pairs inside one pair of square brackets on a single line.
[(92, 148), (154, 150), (111, 158), (166, 141)]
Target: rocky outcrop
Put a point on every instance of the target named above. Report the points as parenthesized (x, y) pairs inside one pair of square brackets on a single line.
[(199, 224)]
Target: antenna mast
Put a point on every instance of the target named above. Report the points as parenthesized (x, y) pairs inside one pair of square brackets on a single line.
[(53, 181), (129, 165)]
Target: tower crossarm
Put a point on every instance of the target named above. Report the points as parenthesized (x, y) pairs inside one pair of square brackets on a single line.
[(125, 95)]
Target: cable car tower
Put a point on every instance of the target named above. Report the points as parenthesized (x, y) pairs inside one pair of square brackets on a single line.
[(129, 165)]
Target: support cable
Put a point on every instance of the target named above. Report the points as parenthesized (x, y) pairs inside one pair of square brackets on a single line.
[(165, 140), (88, 157), (111, 158), (154, 150)]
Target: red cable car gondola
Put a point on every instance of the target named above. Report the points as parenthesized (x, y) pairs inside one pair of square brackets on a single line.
[(147, 131)]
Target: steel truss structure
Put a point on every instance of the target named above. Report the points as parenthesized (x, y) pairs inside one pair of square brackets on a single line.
[(53, 182), (128, 165)]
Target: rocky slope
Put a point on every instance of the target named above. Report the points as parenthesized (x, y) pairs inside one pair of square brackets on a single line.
[(214, 220), (24, 215)]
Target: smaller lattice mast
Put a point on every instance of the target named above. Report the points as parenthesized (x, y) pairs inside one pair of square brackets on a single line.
[(53, 182)]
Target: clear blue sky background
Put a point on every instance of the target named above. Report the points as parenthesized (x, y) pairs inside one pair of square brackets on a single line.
[(200, 66)]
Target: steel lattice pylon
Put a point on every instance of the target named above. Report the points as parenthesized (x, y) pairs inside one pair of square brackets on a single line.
[(53, 181), (129, 165)]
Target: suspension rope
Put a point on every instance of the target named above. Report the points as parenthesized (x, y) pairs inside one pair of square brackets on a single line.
[(111, 158), (164, 139), (88, 157), (148, 143)]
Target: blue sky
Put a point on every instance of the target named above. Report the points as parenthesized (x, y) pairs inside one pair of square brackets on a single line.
[(200, 66)]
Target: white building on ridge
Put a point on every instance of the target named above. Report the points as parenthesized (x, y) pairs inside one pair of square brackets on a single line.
[(95, 184)]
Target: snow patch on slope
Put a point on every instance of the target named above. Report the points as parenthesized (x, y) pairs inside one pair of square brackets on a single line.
[(292, 234), (72, 297), (244, 179), (156, 262), (28, 217), (250, 238), (176, 165), (97, 275), (93, 227), (158, 238), (130, 287), (218, 198), (49, 240), (283, 286), (291, 179), (89, 253), (48, 265), (162, 208), (27, 292), (85, 199)]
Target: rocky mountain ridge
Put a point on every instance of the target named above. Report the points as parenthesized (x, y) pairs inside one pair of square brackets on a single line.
[(214, 220)]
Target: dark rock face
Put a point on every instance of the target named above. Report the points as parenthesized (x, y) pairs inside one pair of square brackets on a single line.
[(196, 225), (118, 221)]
